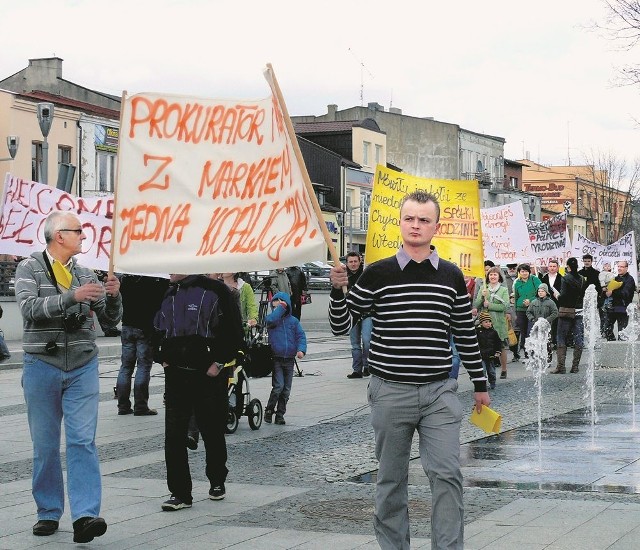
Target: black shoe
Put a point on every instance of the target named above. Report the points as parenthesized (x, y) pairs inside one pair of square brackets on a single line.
[(125, 411), (217, 492), (45, 527), (148, 412), (86, 529), (192, 443), (354, 374), (268, 416), (503, 375), (112, 332), (280, 420), (365, 372), (174, 503)]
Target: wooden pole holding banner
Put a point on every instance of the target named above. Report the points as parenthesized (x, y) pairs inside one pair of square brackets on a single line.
[(303, 167), (115, 190)]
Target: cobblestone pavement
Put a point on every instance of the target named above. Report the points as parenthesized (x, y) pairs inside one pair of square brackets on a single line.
[(326, 456)]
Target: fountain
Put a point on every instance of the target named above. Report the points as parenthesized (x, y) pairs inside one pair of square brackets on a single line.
[(536, 346), (630, 334), (591, 322)]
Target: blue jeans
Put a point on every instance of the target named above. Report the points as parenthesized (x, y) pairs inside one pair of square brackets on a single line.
[(136, 347), (53, 395), (435, 412), (360, 336), (567, 325), (281, 381)]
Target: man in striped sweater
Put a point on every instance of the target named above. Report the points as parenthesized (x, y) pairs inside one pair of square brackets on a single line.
[(416, 300)]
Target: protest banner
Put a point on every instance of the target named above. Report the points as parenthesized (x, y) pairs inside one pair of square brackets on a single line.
[(459, 237), (26, 205), (550, 240), (623, 249), (211, 185), (505, 238)]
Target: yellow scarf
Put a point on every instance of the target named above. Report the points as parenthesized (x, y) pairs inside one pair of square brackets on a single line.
[(63, 275)]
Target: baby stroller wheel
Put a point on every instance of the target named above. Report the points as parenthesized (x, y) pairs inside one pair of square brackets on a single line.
[(254, 413), (232, 422)]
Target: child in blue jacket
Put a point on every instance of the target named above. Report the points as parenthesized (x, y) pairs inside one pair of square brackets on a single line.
[(287, 341)]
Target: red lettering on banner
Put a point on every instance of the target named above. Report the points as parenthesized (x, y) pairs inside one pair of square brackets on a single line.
[(242, 180), (193, 123), (148, 222), (150, 184), (232, 229)]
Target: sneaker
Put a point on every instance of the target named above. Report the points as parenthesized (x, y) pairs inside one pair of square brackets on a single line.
[(268, 416), (174, 503), (492, 386), (280, 420), (354, 374), (503, 375), (365, 372), (217, 492)]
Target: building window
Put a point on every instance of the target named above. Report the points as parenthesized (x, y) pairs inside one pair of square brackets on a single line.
[(64, 154), (36, 161), (513, 182), (365, 152), (378, 153), (105, 171)]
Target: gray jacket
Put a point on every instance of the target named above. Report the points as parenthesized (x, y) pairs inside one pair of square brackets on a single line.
[(43, 309)]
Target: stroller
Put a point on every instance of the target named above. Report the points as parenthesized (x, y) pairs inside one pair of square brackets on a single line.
[(240, 401)]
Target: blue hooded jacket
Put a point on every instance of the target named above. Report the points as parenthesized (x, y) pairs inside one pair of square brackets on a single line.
[(286, 336)]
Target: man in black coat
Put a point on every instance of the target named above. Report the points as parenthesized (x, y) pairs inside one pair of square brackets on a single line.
[(622, 297)]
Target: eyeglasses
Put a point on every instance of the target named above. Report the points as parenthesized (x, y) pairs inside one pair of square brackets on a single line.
[(76, 231)]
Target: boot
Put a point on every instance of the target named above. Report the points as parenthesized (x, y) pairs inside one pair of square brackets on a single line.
[(577, 354), (562, 356)]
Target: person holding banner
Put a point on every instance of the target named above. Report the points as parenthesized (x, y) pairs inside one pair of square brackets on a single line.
[(416, 299), (58, 300), (524, 290)]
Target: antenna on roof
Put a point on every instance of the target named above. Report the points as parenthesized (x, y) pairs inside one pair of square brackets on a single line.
[(362, 69)]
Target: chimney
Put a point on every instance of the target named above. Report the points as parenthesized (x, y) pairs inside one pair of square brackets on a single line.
[(373, 106), (331, 112), (395, 110), (43, 74)]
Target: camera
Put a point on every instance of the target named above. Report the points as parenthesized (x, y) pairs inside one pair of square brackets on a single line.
[(73, 321)]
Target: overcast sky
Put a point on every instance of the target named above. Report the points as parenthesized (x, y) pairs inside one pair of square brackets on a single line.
[(529, 72)]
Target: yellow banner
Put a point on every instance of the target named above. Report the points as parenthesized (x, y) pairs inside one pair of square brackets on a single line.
[(459, 238)]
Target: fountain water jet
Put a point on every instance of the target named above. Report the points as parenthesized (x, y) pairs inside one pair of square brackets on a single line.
[(630, 334), (591, 321), (536, 346)]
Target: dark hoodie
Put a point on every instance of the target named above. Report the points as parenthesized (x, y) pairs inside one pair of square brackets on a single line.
[(572, 290), (199, 323), (286, 336)]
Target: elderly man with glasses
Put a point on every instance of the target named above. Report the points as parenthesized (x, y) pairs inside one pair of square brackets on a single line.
[(57, 299)]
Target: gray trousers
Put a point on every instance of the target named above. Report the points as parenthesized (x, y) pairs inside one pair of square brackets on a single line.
[(434, 410)]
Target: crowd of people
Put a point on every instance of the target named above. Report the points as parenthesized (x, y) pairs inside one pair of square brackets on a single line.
[(412, 320)]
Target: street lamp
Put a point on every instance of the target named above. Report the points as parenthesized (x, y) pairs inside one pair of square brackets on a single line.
[(12, 144), (45, 118), (606, 219)]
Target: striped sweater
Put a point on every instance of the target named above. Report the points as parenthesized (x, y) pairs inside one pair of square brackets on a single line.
[(43, 307), (414, 311)]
